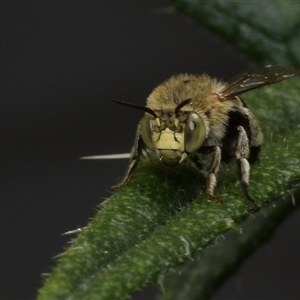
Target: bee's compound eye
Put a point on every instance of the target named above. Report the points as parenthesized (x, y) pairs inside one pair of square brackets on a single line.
[(195, 133), (146, 131)]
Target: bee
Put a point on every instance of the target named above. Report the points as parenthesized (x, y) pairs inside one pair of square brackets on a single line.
[(191, 115)]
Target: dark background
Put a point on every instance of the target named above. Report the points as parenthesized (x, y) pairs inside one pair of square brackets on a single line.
[(60, 65)]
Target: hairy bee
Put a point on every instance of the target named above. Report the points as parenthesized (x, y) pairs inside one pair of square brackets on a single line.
[(188, 115)]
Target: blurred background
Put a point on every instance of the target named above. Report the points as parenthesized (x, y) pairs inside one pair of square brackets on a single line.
[(61, 63)]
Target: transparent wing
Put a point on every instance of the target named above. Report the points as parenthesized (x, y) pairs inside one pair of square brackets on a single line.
[(254, 78)]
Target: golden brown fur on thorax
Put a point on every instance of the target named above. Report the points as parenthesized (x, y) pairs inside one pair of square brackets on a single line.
[(203, 91)]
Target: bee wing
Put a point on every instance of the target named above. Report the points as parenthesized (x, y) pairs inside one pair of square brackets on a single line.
[(254, 78)]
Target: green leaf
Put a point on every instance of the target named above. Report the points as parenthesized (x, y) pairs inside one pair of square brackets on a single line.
[(268, 31), (161, 219)]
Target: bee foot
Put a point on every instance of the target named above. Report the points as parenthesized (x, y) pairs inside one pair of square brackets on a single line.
[(212, 198)]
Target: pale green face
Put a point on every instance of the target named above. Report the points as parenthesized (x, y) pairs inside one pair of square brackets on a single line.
[(173, 137)]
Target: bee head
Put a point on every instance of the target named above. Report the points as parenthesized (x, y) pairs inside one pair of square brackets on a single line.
[(173, 135)]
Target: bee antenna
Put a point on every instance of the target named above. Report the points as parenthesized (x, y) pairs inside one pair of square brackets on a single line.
[(181, 105), (143, 108)]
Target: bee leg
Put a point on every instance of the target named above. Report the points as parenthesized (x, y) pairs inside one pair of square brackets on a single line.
[(134, 159), (212, 179), (242, 153)]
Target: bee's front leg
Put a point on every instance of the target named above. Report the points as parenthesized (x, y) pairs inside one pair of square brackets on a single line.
[(211, 181), (242, 153), (134, 159)]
